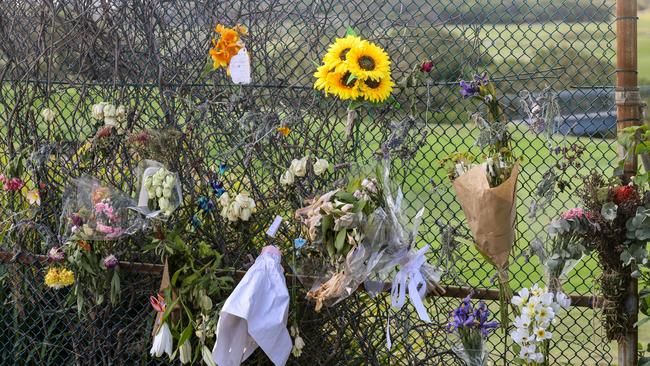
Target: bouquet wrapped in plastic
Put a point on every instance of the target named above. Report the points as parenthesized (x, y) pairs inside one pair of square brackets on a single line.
[(93, 210), (469, 328), (360, 233), (160, 191)]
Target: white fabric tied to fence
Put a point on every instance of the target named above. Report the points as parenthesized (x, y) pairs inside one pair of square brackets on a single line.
[(255, 314), (410, 278)]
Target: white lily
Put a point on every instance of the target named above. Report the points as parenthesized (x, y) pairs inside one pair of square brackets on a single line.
[(162, 342)]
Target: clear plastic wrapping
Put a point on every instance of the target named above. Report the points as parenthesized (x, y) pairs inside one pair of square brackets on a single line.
[(159, 192), (93, 210)]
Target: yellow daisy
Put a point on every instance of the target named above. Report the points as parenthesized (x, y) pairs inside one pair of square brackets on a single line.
[(376, 91), (338, 51), (339, 83), (368, 61)]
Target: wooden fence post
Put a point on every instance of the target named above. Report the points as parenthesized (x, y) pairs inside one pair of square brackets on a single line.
[(628, 112)]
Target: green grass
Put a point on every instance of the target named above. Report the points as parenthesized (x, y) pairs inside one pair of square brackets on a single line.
[(643, 31)]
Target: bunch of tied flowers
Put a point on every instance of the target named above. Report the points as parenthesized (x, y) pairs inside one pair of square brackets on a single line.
[(353, 69), (160, 188), (109, 113), (299, 169), (567, 245), (228, 44), (239, 208), (472, 327), (538, 310)]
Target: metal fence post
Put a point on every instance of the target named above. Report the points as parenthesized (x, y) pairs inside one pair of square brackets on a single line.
[(628, 102)]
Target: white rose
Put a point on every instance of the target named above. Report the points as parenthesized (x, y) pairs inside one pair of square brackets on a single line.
[(287, 178), (98, 111), (48, 114), (120, 113), (233, 212), (109, 115), (245, 214), (163, 203), (167, 193), (320, 166), (159, 191), (299, 167), (224, 200)]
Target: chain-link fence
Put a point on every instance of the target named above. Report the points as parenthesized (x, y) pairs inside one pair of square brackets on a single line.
[(151, 55)]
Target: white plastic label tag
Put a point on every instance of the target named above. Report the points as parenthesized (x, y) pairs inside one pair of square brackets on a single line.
[(240, 67), (273, 229)]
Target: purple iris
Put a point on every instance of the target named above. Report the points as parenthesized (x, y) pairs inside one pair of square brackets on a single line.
[(206, 204), (217, 188), (466, 317), (481, 79), (468, 89)]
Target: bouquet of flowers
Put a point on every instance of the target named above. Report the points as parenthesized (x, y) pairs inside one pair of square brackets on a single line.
[(160, 191), (566, 246), (355, 69), (471, 327), (538, 309), (617, 211), (93, 210), (487, 192)]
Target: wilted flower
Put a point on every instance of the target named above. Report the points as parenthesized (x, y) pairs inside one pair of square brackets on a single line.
[(48, 115), (298, 343), (284, 131), (468, 89), (287, 178), (321, 166), (98, 111), (120, 113), (11, 184), (426, 66), (624, 193), (185, 352), (110, 115), (162, 342), (299, 167), (111, 261), (55, 254)]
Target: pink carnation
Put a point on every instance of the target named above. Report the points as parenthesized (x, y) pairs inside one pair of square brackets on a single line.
[(575, 213), (11, 184)]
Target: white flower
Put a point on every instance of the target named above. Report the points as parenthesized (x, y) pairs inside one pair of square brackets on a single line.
[(162, 342), (344, 222), (159, 191), (537, 358), (546, 299), (563, 300), (48, 115), (224, 200), (541, 334), (109, 115), (320, 166), (522, 321), (299, 167), (120, 113), (98, 111), (163, 203), (536, 290), (520, 336), (545, 315), (347, 207), (167, 193), (33, 197), (287, 178), (527, 352), (185, 352), (369, 185), (327, 207), (518, 301), (524, 294), (297, 346)]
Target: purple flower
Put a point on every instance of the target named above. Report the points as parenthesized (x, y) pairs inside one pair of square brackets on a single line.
[(56, 254), (76, 220), (217, 188), (468, 89), (111, 262), (481, 79), (466, 317)]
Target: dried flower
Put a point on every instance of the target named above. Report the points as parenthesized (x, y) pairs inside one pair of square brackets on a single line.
[(623, 194), (56, 254), (111, 261), (287, 178), (284, 131), (321, 166), (120, 113), (299, 167), (33, 197), (84, 245), (48, 115), (98, 111), (426, 66), (11, 184), (109, 115)]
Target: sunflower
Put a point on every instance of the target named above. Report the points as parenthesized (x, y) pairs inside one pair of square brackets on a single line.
[(336, 55), (376, 91), (321, 77), (368, 61), (342, 84)]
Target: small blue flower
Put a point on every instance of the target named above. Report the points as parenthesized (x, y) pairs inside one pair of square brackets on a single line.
[(217, 188), (222, 168), (196, 222), (299, 242), (205, 204)]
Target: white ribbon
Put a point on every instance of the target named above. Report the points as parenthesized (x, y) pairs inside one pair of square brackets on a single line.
[(417, 285)]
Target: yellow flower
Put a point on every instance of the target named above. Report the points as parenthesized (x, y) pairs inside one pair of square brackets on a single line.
[(321, 77), (33, 197), (59, 277), (368, 61), (284, 130), (343, 85), (228, 45), (336, 55), (376, 91)]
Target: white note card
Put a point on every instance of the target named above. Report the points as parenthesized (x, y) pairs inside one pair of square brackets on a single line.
[(273, 229), (240, 67)]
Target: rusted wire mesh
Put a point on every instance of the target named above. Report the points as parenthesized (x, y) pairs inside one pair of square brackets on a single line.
[(151, 55)]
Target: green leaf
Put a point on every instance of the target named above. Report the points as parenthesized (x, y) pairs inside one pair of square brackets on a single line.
[(641, 322), (185, 335), (326, 223), (350, 32), (340, 240), (115, 288), (346, 197), (207, 356)]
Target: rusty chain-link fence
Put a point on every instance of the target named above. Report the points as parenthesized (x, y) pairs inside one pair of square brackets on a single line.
[(152, 55)]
